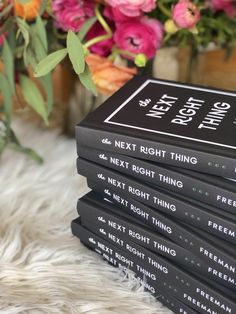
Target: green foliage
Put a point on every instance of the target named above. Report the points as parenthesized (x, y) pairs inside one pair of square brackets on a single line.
[(8, 62), (49, 63), (33, 97), (86, 80), (75, 52), (86, 27)]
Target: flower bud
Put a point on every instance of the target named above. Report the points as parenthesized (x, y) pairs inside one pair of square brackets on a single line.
[(170, 27), (140, 60), (185, 14)]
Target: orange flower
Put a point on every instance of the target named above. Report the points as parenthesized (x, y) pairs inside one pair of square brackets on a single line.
[(107, 76), (27, 10)]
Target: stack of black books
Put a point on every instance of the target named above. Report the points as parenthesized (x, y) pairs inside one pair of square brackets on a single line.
[(160, 158)]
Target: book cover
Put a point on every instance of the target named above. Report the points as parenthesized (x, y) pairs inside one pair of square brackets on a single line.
[(182, 125)]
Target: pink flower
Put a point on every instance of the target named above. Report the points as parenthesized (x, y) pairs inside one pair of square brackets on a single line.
[(115, 14), (133, 7), (104, 47), (185, 14), (224, 5), (71, 14), (142, 36)]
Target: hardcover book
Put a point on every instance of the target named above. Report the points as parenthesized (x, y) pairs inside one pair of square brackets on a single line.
[(181, 285), (182, 125), (118, 257), (213, 190), (106, 215), (167, 203)]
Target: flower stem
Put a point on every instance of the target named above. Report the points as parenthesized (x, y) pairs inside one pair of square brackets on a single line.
[(105, 26), (164, 10), (124, 52)]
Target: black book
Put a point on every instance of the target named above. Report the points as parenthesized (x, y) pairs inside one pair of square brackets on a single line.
[(212, 190), (167, 122), (101, 213), (155, 197), (191, 238), (183, 286), (120, 258), (115, 238)]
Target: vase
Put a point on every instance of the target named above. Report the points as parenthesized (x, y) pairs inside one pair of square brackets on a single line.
[(165, 64), (214, 68)]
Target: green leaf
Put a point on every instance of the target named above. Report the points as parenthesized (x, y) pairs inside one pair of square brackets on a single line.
[(41, 32), (49, 63), (76, 52), (15, 143), (37, 48), (8, 65), (7, 96), (6, 10), (33, 97), (46, 81), (86, 27), (24, 29), (86, 80)]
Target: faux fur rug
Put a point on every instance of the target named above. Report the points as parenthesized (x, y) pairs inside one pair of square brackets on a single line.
[(43, 268)]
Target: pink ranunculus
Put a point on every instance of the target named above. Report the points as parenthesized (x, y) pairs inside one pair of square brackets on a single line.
[(102, 48), (224, 5), (133, 7), (142, 36), (115, 14), (71, 14), (185, 14)]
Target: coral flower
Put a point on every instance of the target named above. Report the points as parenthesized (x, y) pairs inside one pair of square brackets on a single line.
[(28, 9), (108, 77)]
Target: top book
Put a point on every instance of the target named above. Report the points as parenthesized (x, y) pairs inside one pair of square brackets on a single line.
[(182, 125)]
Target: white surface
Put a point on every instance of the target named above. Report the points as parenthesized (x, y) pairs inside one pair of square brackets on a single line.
[(43, 269)]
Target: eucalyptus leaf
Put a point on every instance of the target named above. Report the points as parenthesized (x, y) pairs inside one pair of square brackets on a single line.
[(33, 97), (46, 81), (24, 29), (2, 143), (15, 144), (38, 48), (86, 80), (50, 62), (76, 52), (41, 32), (86, 27), (6, 10), (8, 62), (7, 96)]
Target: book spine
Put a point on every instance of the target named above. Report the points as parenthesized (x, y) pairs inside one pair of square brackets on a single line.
[(141, 236), (158, 152), (117, 257), (151, 241), (165, 178), (172, 231), (113, 236), (183, 286), (164, 202)]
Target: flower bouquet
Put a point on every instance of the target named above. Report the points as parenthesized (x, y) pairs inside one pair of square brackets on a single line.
[(38, 35)]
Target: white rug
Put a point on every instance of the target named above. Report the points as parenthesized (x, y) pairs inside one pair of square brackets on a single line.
[(43, 269)]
